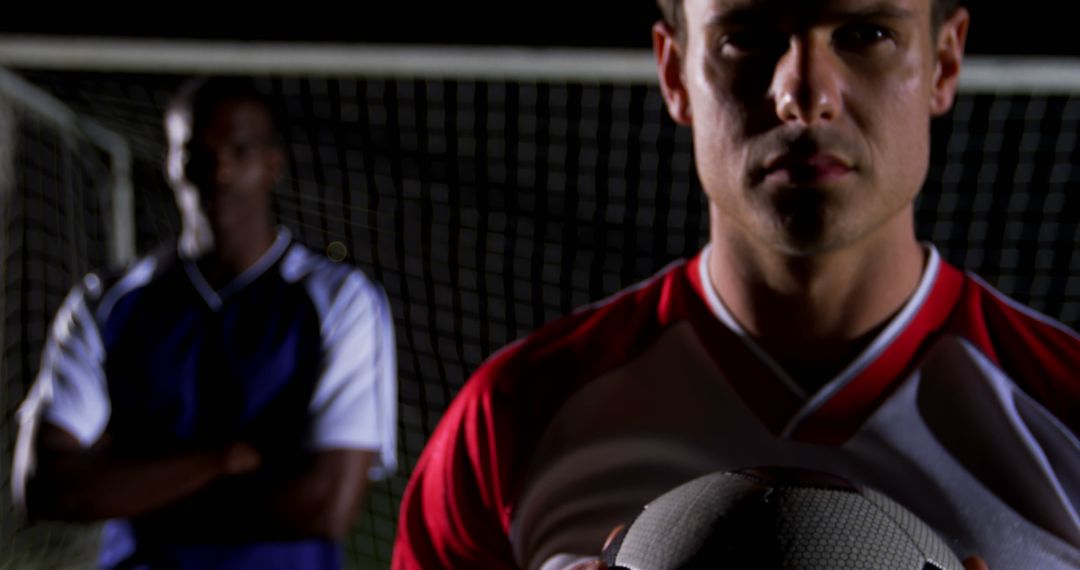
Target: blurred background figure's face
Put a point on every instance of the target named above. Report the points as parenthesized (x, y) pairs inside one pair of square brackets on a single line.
[(224, 173)]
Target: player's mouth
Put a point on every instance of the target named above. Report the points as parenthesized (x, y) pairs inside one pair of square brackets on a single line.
[(802, 169)]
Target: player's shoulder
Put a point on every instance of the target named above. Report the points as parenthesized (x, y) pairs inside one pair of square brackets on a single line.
[(327, 282), (592, 339), (1029, 346), (103, 288), (1003, 314), (300, 262), (1038, 354)]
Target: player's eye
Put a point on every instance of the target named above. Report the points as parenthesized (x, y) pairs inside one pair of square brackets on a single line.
[(242, 150), (861, 36), (752, 43)]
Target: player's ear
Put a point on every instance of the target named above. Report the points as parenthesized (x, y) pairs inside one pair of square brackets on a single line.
[(276, 162), (669, 54), (948, 56)]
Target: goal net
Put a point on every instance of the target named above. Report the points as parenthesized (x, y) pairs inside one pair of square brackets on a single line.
[(490, 191)]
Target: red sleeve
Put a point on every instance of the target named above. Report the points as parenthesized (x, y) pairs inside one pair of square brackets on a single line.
[(455, 512), (1041, 355), (459, 501), (458, 504)]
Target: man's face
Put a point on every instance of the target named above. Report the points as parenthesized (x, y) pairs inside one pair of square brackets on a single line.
[(229, 167), (810, 117)]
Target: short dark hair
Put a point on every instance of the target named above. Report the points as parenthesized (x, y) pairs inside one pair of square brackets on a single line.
[(198, 97), (671, 11)]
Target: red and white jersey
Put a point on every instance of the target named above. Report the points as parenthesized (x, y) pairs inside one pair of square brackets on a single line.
[(965, 409)]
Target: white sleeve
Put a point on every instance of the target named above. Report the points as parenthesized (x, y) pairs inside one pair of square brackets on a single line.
[(70, 391), (354, 405)]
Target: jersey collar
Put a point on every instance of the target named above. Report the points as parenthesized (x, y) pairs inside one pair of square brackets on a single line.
[(839, 406), (215, 298)]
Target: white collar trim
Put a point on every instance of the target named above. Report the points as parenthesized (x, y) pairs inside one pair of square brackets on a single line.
[(215, 298), (868, 355)]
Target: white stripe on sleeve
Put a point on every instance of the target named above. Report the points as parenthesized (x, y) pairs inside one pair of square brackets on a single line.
[(354, 405)]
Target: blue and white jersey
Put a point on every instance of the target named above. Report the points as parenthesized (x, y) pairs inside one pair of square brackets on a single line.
[(294, 355)]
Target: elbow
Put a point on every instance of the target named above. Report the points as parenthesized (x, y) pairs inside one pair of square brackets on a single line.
[(332, 530), (330, 513), (47, 499), (42, 501), (332, 521), (338, 524), (331, 493)]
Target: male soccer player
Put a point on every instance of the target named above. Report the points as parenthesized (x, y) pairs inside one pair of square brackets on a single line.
[(814, 330), (226, 400)]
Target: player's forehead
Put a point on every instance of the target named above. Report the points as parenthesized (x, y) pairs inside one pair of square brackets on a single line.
[(233, 118), (718, 12)]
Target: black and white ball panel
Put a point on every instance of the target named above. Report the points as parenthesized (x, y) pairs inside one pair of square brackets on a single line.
[(777, 519)]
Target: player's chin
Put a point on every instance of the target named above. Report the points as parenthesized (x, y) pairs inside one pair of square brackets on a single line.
[(807, 236), (812, 224), (800, 221), (229, 216)]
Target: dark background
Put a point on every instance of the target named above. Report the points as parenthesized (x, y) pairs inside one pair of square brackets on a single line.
[(1030, 27), (987, 216)]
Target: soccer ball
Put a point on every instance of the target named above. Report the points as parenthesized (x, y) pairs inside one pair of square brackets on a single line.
[(777, 518)]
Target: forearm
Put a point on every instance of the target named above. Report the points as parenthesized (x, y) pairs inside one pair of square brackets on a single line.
[(74, 483), (312, 496), (315, 505), (95, 486)]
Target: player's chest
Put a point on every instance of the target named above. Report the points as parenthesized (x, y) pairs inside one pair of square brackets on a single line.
[(175, 362)]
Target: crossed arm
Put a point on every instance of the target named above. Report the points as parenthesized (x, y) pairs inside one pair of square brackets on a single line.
[(226, 490), (229, 492)]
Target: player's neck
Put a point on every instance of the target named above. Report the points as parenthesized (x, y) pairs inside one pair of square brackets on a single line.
[(235, 251), (816, 313)]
